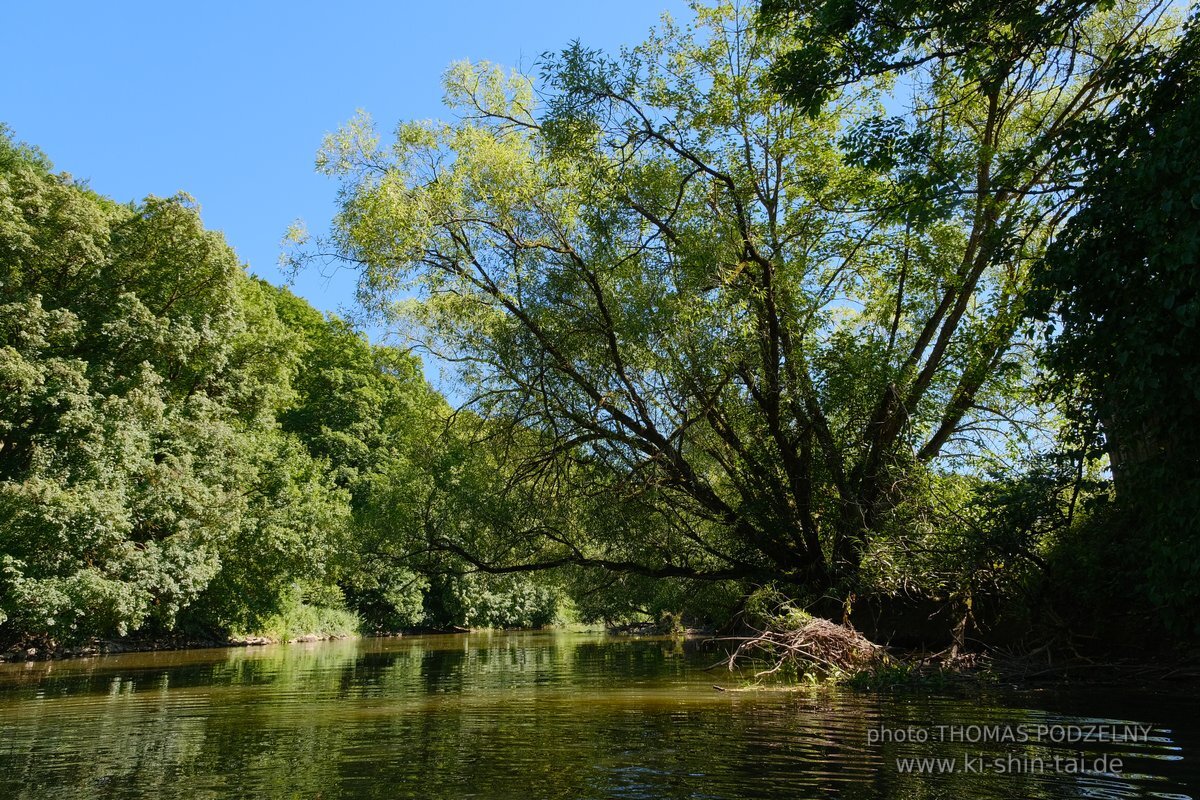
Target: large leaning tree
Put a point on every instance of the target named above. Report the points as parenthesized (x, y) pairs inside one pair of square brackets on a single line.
[(723, 334)]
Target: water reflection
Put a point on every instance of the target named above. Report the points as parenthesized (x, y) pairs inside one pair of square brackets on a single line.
[(532, 716)]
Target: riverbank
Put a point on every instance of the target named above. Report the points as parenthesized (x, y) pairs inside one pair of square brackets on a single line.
[(796, 649), (47, 650), (880, 669), (51, 651)]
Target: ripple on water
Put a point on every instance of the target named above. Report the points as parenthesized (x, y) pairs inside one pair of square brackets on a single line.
[(531, 716)]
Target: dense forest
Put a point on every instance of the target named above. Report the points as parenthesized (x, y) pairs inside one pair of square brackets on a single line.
[(187, 447), (886, 311)]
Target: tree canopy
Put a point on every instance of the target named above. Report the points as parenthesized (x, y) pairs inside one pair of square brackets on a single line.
[(1119, 293), (762, 330), (180, 443), (742, 312)]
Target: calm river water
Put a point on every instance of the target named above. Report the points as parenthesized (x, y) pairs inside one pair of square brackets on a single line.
[(532, 715)]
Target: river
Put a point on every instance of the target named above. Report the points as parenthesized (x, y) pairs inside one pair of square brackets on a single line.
[(543, 715)]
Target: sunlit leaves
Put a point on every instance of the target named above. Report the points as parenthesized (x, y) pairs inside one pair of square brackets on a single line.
[(141, 373)]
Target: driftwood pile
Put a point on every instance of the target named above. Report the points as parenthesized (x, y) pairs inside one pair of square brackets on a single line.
[(815, 643)]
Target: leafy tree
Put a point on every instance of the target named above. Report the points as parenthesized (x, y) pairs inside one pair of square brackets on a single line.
[(142, 473), (1119, 289), (366, 411), (358, 405), (842, 43), (720, 338)]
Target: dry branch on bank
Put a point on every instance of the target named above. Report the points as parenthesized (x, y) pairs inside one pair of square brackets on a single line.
[(814, 644)]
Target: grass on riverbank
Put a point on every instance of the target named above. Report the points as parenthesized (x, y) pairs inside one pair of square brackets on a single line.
[(301, 621)]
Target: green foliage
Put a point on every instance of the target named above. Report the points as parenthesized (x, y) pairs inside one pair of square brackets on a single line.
[(492, 601), (143, 476), (708, 337), (738, 315), (845, 42), (366, 412), (619, 599), (1120, 293), (319, 612), (984, 536), (769, 609), (15, 154), (184, 447), (1120, 281), (295, 527)]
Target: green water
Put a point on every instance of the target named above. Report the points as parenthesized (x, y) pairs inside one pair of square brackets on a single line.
[(540, 716)]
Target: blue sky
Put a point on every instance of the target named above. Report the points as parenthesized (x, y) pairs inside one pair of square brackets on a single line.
[(229, 101)]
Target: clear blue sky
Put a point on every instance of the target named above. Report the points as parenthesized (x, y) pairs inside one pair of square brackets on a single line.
[(229, 101)]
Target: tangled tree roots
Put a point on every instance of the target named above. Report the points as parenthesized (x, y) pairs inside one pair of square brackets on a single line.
[(816, 643)]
